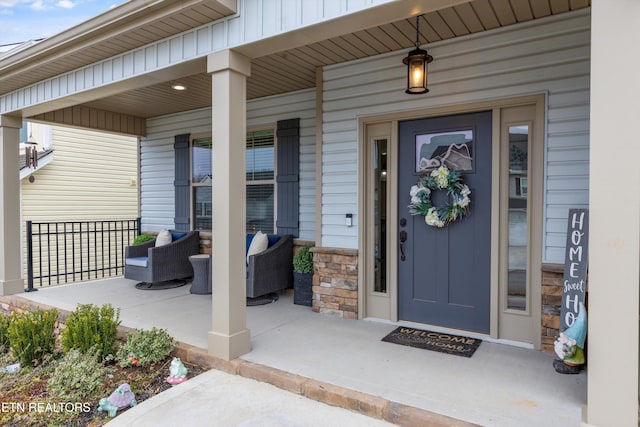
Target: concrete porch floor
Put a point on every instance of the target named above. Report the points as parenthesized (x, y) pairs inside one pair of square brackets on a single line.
[(500, 385)]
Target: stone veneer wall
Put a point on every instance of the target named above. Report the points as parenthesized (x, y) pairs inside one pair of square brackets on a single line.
[(552, 278), (335, 282), (551, 302)]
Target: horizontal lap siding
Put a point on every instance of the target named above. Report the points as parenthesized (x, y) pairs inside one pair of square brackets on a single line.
[(546, 56), (92, 177), (157, 168)]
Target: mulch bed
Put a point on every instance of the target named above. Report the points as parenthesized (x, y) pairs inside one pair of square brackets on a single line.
[(145, 382)]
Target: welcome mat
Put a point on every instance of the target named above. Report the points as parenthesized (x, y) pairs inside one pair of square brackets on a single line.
[(436, 341)]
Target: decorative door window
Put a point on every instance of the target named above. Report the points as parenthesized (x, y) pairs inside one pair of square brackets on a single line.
[(451, 149)]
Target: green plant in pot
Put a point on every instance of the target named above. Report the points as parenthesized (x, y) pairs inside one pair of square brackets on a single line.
[(143, 238), (303, 276)]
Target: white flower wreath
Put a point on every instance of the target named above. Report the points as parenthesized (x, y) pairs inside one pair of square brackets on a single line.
[(440, 179)]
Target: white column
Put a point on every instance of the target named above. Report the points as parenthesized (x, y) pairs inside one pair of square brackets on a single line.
[(614, 247), (11, 281), (229, 337)]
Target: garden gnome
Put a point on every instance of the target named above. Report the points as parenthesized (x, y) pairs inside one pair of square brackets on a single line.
[(569, 346), (120, 398), (177, 372)]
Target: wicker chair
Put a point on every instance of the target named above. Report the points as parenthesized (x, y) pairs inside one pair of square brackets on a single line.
[(271, 270), (151, 264)]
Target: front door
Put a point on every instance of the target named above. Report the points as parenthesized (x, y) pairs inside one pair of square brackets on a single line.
[(444, 273)]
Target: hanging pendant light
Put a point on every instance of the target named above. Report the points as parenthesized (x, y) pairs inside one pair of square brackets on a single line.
[(416, 63)]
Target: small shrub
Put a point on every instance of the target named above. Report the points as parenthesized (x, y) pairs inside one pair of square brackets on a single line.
[(88, 326), (31, 335), (303, 260), (145, 347), (143, 238), (4, 333), (78, 376)]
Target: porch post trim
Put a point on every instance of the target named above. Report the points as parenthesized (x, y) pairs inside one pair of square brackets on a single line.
[(614, 248), (319, 133), (229, 337), (11, 281)]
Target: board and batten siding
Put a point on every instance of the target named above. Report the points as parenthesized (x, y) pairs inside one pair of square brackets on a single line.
[(156, 155), (544, 56)]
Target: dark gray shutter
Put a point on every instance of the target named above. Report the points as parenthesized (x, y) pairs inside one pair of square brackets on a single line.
[(182, 183), (287, 179)]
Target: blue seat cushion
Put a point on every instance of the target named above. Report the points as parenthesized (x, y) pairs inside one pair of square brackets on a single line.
[(141, 261), (273, 239), (175, 235), (249, 239)]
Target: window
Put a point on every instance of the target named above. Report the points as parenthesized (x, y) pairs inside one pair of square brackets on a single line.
[(518, 186), (201, 183), (260, 181), (260, 165)]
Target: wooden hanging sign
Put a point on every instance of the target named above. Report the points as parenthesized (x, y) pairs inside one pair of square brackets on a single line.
[(575, 267)]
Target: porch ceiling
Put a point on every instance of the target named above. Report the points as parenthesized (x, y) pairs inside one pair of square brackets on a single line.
[(295, 68)]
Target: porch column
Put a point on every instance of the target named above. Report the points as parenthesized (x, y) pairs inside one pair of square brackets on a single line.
[(10, 265), (614, 247), (229, 337)]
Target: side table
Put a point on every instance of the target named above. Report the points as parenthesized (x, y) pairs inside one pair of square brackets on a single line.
[(201, 283)]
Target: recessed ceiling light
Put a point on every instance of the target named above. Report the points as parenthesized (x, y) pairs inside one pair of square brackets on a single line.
[(179, 87)]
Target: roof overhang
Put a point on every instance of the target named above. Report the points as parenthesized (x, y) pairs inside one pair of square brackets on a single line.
[(122, 28), (284, 62)]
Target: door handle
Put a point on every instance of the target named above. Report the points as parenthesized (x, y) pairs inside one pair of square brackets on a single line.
[(403, 238)]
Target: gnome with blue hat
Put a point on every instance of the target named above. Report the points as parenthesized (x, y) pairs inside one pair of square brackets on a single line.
[(569, 346)]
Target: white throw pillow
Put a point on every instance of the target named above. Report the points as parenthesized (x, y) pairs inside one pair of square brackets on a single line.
[(258, 244), (163, 238)]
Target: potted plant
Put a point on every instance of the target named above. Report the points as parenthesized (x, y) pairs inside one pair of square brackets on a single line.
[(303, 276), (143, 238)]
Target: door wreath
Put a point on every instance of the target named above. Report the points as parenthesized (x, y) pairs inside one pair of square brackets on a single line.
[(440, 179)]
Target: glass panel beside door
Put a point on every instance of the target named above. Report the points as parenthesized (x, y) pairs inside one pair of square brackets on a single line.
[(518, 231), (380, 214)]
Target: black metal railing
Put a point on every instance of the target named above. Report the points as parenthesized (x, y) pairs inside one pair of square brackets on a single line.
[(72, 251)]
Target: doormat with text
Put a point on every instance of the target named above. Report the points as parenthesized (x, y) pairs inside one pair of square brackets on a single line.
[(436, 341)]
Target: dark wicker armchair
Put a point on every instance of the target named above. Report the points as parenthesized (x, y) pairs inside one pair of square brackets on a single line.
[(271, 270), (151, 264)]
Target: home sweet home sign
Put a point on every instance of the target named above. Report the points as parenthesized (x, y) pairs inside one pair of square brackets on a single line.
[(575, 266)]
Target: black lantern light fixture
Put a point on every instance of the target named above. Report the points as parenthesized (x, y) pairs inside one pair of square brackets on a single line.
[(416, 63)]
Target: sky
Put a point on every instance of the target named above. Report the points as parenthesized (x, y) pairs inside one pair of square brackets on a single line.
[(24, 20)]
